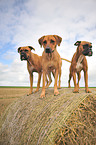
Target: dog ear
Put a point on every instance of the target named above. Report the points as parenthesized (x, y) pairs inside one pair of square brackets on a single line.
[(31, 48), (77, 43), (58, 39), (19, 49), (41, 40)]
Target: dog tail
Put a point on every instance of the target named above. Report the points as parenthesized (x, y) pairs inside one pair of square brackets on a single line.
[(66, 60)]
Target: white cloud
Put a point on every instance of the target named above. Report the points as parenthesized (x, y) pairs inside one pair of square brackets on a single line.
[(24, 22)]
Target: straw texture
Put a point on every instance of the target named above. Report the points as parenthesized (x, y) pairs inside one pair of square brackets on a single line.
[(31, 120)]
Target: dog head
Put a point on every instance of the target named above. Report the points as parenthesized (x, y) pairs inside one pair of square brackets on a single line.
[(84, 47), (25, 52), (49, 42)]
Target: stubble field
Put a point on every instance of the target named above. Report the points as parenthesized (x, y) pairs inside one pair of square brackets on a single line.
[(8, 95)]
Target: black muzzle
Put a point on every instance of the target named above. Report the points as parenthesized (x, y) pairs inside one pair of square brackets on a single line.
[(23, 56), (48, 50), (87, 52)]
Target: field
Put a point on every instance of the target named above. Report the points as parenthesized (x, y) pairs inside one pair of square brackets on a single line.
[(59, 120), (9, 94)]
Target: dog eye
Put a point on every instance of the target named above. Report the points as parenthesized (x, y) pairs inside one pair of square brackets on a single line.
[(45, 42), (52, 41), (26, 50), (21, 50), (85, 46)]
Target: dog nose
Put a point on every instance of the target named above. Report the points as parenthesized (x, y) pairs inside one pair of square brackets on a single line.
[(90, 52), (23, 56), (48, 49)]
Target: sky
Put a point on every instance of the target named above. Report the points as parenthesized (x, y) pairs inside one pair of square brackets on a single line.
[(23, 22)]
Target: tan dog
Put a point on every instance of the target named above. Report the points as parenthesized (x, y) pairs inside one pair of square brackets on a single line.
[(79, 63), (33, 65), (51, 59)]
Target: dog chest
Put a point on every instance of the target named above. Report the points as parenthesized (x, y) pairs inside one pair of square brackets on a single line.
[(32, 69), (79, 65), (51, 65)]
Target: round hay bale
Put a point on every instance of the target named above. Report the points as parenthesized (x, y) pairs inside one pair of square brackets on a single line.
[(80, 128), (36, 121)]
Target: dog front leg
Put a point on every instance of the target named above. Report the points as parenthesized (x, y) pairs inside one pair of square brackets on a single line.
[(38, 84), (43, 87), (75, 84), (86, 82), (31, 84), (55, 85)]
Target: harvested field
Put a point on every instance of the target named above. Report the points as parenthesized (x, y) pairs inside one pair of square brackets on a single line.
[(8, 95), (31, 120)]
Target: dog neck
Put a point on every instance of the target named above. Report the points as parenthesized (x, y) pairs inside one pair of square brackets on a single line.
[(50, 56), (80, 59), (30, 60)]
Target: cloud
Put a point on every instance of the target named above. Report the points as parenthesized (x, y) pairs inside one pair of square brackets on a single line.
[(24, 22), (15, 75)]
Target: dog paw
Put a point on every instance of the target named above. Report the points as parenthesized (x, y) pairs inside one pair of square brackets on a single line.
[(87, 91), (75, 91), (59, 87), (42, 95), (36, 91), (69, 86), (29, 94), (46, 86), (56, 93)]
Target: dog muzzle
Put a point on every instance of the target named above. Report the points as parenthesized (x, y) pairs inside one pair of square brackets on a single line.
[(87, 52), (48, 50), (23, 56)]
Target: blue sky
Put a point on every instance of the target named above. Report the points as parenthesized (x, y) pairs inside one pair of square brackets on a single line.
[(23, 22)]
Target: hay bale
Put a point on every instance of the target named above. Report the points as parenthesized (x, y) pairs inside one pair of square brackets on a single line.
[(31, 120), (80, 128)]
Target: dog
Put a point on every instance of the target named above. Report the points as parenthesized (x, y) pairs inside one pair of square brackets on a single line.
[(33, 65), (51, 59), (79, 63)]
